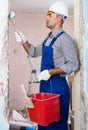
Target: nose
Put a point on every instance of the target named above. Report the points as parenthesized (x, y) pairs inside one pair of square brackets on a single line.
[(47, 17)]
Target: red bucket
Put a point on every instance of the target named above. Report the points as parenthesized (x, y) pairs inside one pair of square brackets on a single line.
[(46, 108)]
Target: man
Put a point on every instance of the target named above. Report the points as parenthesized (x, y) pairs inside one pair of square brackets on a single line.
[(59, 58)]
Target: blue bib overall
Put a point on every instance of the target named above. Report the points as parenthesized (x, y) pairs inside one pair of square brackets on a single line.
[(56, 84)]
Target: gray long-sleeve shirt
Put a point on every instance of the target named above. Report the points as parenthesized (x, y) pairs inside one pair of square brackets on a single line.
[(64, 54)]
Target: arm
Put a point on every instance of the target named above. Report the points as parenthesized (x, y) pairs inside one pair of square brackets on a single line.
[(26, 46), (29, 48), (56, 71), (20, 38), (71, 63), (65, 55), (46, 74)]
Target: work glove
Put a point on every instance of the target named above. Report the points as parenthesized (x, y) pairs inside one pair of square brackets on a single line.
[(44, 75), (20, 37)]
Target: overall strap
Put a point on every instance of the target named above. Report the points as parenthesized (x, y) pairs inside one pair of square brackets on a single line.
[(46, 38), (55, 38)]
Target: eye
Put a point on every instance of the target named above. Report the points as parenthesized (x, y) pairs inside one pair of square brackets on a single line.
[(49, 15)]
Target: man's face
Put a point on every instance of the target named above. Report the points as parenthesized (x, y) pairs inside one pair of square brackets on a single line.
[(51, 20)]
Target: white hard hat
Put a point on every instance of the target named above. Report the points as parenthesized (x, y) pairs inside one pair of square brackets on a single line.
[(59, 7)]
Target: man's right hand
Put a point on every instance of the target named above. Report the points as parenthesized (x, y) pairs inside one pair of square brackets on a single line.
[(20, 38)]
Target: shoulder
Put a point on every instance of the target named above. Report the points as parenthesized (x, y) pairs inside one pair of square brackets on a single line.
[(65, 41), (66, 36)]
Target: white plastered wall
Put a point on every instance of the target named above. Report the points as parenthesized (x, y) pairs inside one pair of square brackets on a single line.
[(4, 56), (4, 75), (80, 84)]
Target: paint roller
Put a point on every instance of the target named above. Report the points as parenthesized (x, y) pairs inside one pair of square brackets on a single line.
[(11, 16)]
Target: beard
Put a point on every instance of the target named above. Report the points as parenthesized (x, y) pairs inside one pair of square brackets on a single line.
[(50, 25)]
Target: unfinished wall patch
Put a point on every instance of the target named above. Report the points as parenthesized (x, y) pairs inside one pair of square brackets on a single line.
[(85, 47), (3, 56), (85, 10)]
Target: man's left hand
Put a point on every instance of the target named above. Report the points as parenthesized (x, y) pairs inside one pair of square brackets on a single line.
[(44, 75)]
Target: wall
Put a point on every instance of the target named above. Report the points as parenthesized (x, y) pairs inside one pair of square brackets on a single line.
[(76, 83), (3, 64), (3, 56), (84, 70), (80, 83), (33, 26), (34, 30)]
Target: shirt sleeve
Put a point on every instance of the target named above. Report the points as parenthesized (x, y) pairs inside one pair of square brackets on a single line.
[(68, 58), (35, 51), (71, 62)]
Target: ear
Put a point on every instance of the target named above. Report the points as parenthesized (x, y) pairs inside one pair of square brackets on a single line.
[(60, 17)]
